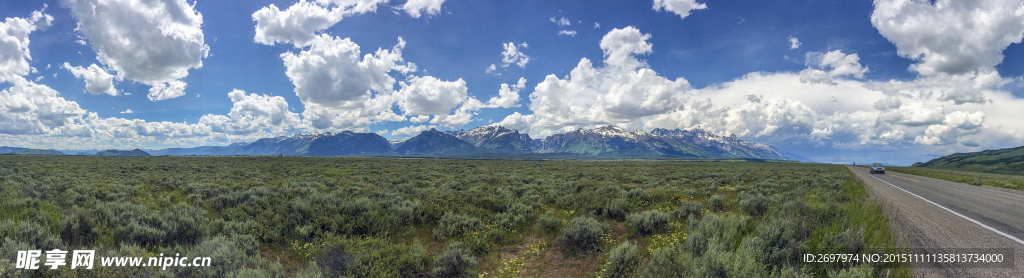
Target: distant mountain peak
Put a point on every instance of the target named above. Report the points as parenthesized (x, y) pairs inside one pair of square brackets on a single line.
[(610, 128), (611, 140), (320, 144), (435, 143), (112, 152), (496, 138)]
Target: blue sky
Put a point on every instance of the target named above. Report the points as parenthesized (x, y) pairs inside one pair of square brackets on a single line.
[(835, 81)]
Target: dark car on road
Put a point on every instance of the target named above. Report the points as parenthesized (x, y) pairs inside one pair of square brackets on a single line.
[(877, 168)]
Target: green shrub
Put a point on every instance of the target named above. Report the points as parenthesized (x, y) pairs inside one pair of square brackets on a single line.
[(649, 222), (690, 192), (716, 203), (723, 231), (454, 224), (227, 255), (274, 270), (485, 201), (860, 271), (794, 209), (8, 254), (778, 242), (256, 273), (334, 261), (453, 186), (850, 240), (532, 198), (362, 216), (616, 209), (298, 210), (184, 224), (666, 262), (144, 232), (753, 204), (608, 191), (549, 223), (311, 271), (372, 257), (718, 262), (687, 209), (406, 213), (480, 242), (228, 228), (582, 236), (78, 228), (378, 258), (516, 215), (638, 194), (622, 261), (456, 261), (29, 233), (138, 224)]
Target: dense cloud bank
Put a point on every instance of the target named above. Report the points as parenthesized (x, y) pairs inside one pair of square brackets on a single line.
[(957, 101)]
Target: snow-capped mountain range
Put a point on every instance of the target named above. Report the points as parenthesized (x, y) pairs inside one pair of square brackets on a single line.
[(497, 141)]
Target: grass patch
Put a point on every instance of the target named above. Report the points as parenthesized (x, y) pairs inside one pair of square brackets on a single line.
[(1015, 182)]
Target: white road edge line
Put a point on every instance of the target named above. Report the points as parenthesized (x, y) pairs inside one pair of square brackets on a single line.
[(955, 213)]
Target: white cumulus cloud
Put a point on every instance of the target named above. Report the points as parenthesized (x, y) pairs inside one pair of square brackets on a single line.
[(560, 21), (97, 80), (431, 96), (968, 88), (251, 113), (679, 7), (621, 46), (153, 42), (571, 33), (913, 114), (955, 125), (508, 96), (168, 90), (950, 36), (14, 52), (416, 8), (30, 108), (514, 55), (620, 92), (340, 88), (411, 131), (300, 22), (447, 101), (297, 24), (830, 65), (333, 72), (794, 43)]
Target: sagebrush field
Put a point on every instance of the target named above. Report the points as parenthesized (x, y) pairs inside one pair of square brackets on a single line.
[(391, 217)]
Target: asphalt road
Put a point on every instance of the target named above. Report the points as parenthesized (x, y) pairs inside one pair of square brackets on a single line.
[(932, 214)]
